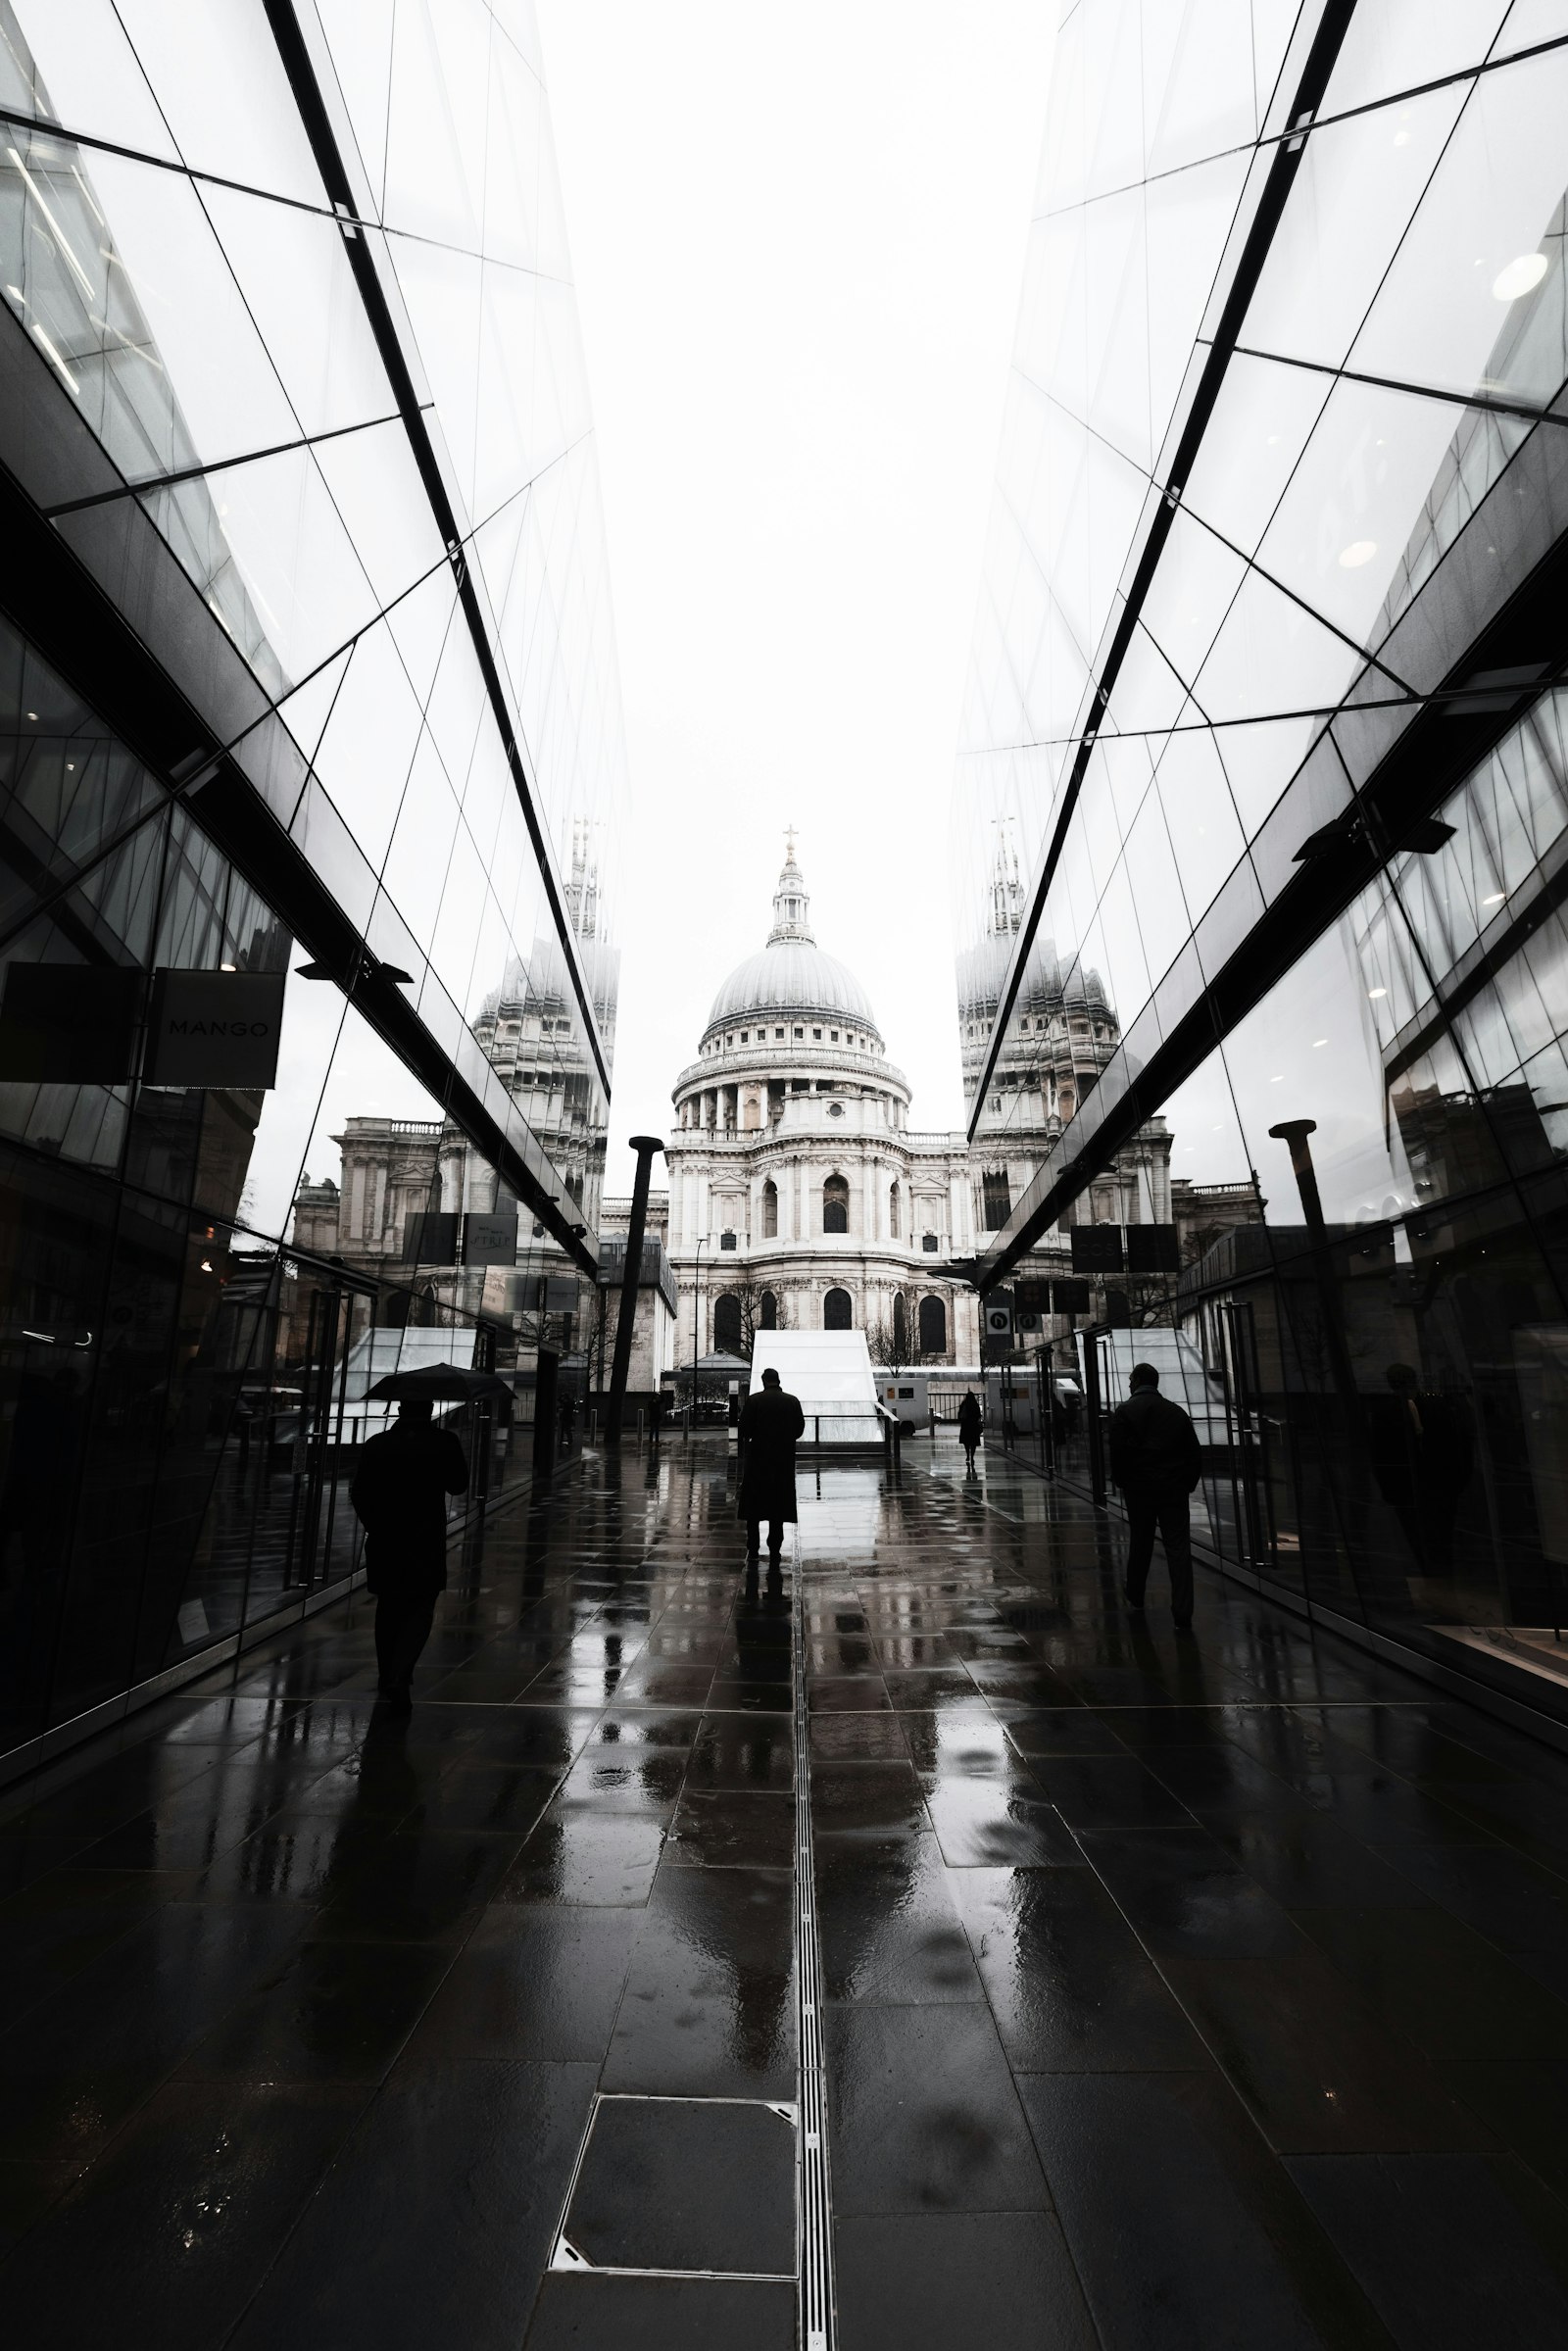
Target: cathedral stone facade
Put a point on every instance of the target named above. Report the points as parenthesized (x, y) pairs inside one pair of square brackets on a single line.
[(800, 1197)]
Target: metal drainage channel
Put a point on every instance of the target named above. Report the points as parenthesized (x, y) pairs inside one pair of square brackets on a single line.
[(813, 2204), (815, 2254)]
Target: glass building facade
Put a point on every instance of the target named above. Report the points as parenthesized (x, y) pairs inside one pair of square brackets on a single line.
[(313, 791), (1261, 817)]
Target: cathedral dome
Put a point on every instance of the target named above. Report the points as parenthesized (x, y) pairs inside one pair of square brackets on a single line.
[(791, 976)]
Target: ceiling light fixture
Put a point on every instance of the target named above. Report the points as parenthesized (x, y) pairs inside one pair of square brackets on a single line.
[(1359, 552), (1375, 992)]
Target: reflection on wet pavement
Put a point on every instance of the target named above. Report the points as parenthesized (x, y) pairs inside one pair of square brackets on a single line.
[(1176, 1992)]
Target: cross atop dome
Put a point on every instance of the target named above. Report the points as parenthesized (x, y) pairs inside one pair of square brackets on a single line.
[(791, 907)]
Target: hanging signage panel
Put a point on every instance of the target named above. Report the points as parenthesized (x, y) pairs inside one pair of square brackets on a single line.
[(1153, 1249), (490, 1240), (214, 1028), (71, 1024), (430, 1239), (1096, 1248)]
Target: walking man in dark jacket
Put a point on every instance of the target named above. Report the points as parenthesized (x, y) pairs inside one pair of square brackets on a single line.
[(1156, 1460), (769, 1425), (400, 1490)]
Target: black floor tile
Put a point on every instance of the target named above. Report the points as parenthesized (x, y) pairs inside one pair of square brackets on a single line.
[(662, 2314), (923, 2115), (709, 2005), (737, 1752), (933, 2281), (537, 1981), (578, 1853), (1184, 2230), (87, 2058), (1452, 2250), (1184, 1892), (436, 2221), (1069, 1984), (873, 1798), (1108, 1792), (331, 2012), (419, 1885), (686, 2184), (732, 1829), (888, 1927), (1526, 2106), (1308, 1861), (991, 1824), (182, 2219), (1318, 2069), (1428, 1976)]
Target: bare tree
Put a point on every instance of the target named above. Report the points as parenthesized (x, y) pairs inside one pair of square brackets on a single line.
[(891, 1352), (750, 1292)]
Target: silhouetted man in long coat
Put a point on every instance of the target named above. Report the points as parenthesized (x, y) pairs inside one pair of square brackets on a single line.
[(400, 1490), (1156, 1460), (769, 1425)]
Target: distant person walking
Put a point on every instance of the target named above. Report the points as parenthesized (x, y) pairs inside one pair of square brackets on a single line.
[(399, 1490), (969, 1428), (769, 1425), (1156, 1460)]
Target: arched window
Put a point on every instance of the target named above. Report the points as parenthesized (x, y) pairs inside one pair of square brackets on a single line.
[(933, 1327), (998, 1199), (838, 1314), (727, 1325), (836, 1210), (769, 1320), (770, 1210), (901, 1324), (892, 1210)]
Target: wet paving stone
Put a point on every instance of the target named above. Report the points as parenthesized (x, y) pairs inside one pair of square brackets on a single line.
[(182, 2217), (1177, 1994), (1183, 2229), (662, 2314), (924, 2114), (1069, 1984)]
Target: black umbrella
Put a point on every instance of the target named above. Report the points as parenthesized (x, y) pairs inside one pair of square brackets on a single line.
[(436, 1384)]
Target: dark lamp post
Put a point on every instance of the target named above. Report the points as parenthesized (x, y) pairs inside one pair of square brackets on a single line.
[(645, 1147)]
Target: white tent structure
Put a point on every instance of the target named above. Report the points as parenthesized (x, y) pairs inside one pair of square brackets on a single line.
[(830, 1371), (376, 1353)]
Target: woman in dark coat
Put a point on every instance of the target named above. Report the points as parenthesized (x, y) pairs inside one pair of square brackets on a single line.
[(969, 1427), (400, 1490), (769, 1425)]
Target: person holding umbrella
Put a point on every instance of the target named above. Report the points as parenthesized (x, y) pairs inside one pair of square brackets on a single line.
[(399, 1490)]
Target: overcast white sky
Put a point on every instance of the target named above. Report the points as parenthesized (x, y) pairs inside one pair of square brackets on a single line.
[(798, 237)]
